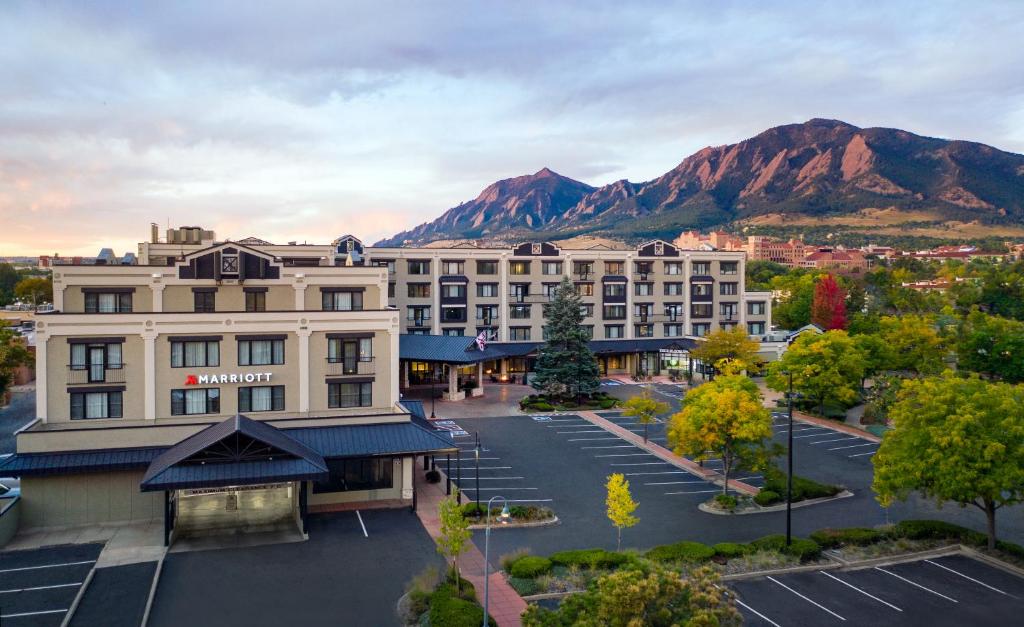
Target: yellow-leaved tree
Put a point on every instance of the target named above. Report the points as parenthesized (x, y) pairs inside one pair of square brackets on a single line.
[(733, 346), (644, 408), (620, 505)]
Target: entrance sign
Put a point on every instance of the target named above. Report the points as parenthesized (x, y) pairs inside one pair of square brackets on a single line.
[(247, 377)]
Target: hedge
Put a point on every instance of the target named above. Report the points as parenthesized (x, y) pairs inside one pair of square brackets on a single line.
[(856, 536), (803, 488), (607, 403), (530, 566), (800, 547), (730, 549), (937, 530), (591, 558), (765, 498), (681, 551), (448, 611)]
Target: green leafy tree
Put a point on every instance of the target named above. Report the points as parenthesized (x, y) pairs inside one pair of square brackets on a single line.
[(724, 418), (13, 353), (620, 506), (992, 346), (826, 367), (721, 347), (566, 364), (645, 409), (914, 342), (955, 439), (792, 310), (455, 533), (35, 290), (761, 273), (9, 277), (877, 355)]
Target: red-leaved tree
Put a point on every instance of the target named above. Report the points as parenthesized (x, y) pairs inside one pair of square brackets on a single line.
[(828, 309)]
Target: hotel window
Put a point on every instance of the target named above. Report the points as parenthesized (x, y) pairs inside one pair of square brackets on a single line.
[(453, 290), (587, 310), (755, 328), (195, 401), (519, 334), (613, 331), (487, 290), (728, 267), (644, 268), (342, 301), (205, 301), (453, 331), (418, 332), (108, 302), (453, 267), (700, 329), (384, 263), (673, 330), (419, 266), (588, 331), (584, 269), (419, 290), (260, 352), (519, 312), (614, 289), (644, 330), (519, 267), (519, 291), (349, 352), (673, 289), (701, 310), (255, 300), (229, 264), (195, 354), (391, 290), (643, 311), (349, 395), (486, 314), (673, 311), (551, 267), (615, 267), (755, 308), (349, 475), (702, 267), (673, 268), (89, 405), (700, 289), (728, 289), (614, 312), (486, 267), (453, 314), (94, 360), (261, 398), (585, 289), (644, 289), (727, 310), (550, 289), (727, 326), (418, 316)]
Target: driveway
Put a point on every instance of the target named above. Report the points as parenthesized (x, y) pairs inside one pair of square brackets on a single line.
[(20, 412), (339, 577)]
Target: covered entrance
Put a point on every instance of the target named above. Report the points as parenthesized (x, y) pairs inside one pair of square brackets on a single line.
[(207, 511)]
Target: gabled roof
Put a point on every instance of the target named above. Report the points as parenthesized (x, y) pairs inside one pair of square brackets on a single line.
[(228, 244)]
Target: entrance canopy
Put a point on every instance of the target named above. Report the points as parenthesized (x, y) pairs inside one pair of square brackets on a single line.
[(462, 350), (238, 451)]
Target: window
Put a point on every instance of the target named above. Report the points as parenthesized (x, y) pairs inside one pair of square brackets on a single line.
[(486, 314), (701, 267), (519, 312), (519, 291), (261, 398), (727, 310), (614, 289), (700, 310), (673, 311), (643, 311), (614, 267), (613, 331), (673, 289), (487, 290), (419, 316), (419, 290), (644, 268), (673, 268), (94, 360), (587, 310), (453, 331), (728, 267), (195, 354), (260, 352), (384, 263), (195, 401), (701, 289), (550, 289), (727, 326), (673, 330), (418, 332), (585, 289), (108, 302), (614, 312), (89, 405), (453, 267), (588, 331), (347, 475), (391, 290), (205, 301), (349, 395), (487, 267), (728, 289), (519, 267), (551, 267), (453, 314), (755, 328), (255, 301), (453, 290), (644, 330), (349, 352), (419, 266), (755, 308), (700, 329), (644, 289), (342, 301), (519, 334), (584, 269)]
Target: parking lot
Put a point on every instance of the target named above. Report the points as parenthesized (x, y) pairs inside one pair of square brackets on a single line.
[(952, 590), (38, 586)]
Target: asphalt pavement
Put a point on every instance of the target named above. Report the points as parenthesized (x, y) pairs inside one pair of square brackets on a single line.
[(38, 586)]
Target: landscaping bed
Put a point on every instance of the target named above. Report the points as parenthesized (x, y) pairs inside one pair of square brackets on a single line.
[(519, 515), (773, 493), (542, 403), (439, 602)]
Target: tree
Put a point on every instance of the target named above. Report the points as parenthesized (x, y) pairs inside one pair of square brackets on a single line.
[(828, 307), (733, 346), (620, 505), (13, 353), (648, 596), (34, 289), (761, 273), (565, 362), (645, 409), (792, 309), (877, 355), (992, 346), (724, 418), (914, 344), (955, 439), (455, 533), (8, 279), (826, 367)]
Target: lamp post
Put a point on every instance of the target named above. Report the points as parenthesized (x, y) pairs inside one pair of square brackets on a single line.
[(789, 463), (476, 452), (433, 390), (487, 548)]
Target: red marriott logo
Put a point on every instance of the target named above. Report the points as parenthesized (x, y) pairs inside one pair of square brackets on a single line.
[(191, 380)]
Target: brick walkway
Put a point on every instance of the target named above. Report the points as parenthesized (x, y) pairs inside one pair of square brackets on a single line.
[(832, 424), (666, 455), (505, 605)]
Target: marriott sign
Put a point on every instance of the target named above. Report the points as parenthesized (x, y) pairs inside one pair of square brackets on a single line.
[(206, 379)]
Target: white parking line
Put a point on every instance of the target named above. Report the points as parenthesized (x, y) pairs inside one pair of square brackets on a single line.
[(582, 424), (361, 524), (867, 594), (59, 585), (473, 467), (627, 455), (674, 482), (980, 583), (493, 489), (666, 472), (530, 500), (863, 454), (939, 594), (840, 448), (695, 492), (755, 612), (616, 446), (15, 570), (496, 478), (64, 611), (836, 440), (809, 600), (642, 464), (815, 435), (574, 432), (616, 438)]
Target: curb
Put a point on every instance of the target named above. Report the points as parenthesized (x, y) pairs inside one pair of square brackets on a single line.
[(992, 561), (902, 558), (152, 591), (78, 598), (845, 494), (549, 595), (525, 525), (831, 565)]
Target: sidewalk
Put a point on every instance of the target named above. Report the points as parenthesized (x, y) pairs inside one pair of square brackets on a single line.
[(505, 605)]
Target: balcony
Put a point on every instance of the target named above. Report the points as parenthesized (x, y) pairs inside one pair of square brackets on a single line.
[(350, 366), (487, 320), (99, 373)]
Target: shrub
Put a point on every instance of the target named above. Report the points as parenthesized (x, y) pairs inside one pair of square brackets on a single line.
[(804, 549), (508, 559), (855, 536), (530, 566), (607, 403), (450, 611), (542, 406), (938, 530), (803, 488), (681, 552), (729, 550), (524, 587), (775, 542), (473, 509), (433, 476), (725, 501), (765, 498), (591, 558)]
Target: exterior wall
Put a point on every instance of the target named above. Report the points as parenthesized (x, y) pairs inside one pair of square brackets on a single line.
[(87, 499), (402, 466)]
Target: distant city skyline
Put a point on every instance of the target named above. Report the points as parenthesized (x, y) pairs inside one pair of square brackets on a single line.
[(306, 120)]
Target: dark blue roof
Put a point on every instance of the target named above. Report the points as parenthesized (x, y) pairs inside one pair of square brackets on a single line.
[(463, 350), (234, 473), (41, 464)]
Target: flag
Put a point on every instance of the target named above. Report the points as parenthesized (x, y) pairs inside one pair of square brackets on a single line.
[(481, 340)]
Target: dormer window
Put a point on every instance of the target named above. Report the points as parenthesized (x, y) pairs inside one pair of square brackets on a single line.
[(229, 264)]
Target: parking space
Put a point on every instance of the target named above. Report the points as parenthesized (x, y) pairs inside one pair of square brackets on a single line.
[(952, 590), (832, 442), (116, 596), (496, 475), (38, 586)]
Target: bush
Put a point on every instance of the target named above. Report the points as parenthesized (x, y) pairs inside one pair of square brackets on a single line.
[(508, 559), (775, 542), (765, 498), (854, 536), (804, 549), (524, 587), (449, 611), (938, 530), (730, 550), (590, 558), (433, 476), (803, 488), (725, 501), (607, 403), (530, 566), (681, 552), (542, 406)]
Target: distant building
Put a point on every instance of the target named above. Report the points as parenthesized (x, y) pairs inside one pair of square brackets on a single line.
[(715, 240), (840, 260), (763, 248)]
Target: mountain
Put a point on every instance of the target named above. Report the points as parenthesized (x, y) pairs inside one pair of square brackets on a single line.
[(820, 173)]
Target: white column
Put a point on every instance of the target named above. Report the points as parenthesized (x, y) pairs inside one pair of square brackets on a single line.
[(405, 375), (149, 374), (503, 288), (300, 296), (158, 296), (41, 378), (393, 366), (304, 369), (58, 291), (453, 381), (407, 465), (480, 377)]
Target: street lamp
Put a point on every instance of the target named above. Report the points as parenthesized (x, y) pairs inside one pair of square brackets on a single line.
[(476, 453), (789, 461), (503, 517), (433, 390)]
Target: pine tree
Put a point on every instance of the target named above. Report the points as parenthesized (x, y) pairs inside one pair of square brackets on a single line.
[(566, 366), (828, 309)]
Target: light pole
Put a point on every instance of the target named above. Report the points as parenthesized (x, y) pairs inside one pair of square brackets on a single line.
[(433, 390), (487, 547), (476, 452), (789, 464)]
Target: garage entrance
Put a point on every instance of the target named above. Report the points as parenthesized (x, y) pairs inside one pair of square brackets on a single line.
[(248, 508)]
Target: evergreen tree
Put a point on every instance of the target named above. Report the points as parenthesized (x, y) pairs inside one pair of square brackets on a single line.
[(566, 366)]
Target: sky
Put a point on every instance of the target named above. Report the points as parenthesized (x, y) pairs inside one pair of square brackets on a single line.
[(305, 120)]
